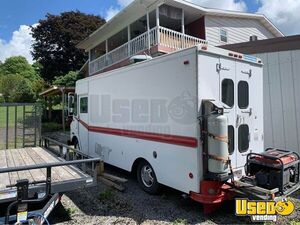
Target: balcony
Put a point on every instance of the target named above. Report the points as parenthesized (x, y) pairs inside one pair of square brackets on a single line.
[(153, 40)]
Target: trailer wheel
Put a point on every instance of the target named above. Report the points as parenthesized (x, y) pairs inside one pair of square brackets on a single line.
[(147, 178)]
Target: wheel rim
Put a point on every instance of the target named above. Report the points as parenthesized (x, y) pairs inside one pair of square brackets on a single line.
[(147, 176)]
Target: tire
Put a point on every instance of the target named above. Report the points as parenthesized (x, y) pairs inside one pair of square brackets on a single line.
[(76, 147), (146, 178), (76, 144)]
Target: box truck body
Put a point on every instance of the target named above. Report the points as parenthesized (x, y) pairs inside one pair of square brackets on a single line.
[(153, 110)]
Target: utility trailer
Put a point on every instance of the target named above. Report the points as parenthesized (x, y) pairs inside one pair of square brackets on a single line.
[(33, 180), (190, 120)]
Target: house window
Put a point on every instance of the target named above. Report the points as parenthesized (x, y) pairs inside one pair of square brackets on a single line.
[(84, 105), (223, 36)]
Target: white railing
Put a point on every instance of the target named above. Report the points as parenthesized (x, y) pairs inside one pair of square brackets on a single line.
[(123, 52), (176, 40), (164, 36)]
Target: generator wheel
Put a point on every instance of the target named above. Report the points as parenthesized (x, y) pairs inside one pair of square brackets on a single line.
[(147, 178)]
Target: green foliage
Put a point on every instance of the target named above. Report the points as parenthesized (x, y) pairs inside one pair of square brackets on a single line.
[(19, 65), (51, 127), (20, 81), (180, 222), (106, 195), (68, 80), (16, 88), (56, 38), (71, 211)]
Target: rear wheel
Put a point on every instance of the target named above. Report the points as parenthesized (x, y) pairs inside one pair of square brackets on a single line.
[(147, 178)]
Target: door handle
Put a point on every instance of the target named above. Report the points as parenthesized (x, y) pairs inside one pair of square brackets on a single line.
[(248, 111), (238, 121)]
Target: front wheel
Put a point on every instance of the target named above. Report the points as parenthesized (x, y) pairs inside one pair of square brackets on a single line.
[(147, 178)]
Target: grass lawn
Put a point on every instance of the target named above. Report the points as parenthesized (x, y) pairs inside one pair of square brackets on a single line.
[(15, 115), (11, 115)]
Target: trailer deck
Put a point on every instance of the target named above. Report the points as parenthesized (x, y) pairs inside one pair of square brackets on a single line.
[(63, 178)]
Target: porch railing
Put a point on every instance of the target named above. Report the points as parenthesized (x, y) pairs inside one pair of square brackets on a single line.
[(158, 35), (176, 40)]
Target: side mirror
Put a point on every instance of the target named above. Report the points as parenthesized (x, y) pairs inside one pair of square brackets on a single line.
[(71, 101)]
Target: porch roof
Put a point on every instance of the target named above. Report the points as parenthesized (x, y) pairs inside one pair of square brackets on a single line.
[(57, 90), (138, 8)]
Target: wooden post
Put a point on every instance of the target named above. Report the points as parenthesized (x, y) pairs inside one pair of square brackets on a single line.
[(148, 30), (157, 24), (182, 22), (106, 46), (128, 39), (106, 49), (63, 109), (182, 30)]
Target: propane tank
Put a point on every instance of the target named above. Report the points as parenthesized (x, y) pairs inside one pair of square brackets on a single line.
[(217, 128)]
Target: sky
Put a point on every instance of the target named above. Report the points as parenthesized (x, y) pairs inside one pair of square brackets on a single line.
[(17, 15)]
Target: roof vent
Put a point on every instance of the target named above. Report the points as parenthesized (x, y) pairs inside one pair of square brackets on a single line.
[(139, 58), (253, 38)]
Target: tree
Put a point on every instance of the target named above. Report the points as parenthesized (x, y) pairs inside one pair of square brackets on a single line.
[(56, 38), (20, 81), (19, 65), (69, 80), (16, 88)]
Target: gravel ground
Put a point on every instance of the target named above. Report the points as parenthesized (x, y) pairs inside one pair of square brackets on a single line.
[(102, 205)]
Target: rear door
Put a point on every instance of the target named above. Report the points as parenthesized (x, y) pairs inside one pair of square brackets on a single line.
[(227, 71), (237, 87), (244, 111)]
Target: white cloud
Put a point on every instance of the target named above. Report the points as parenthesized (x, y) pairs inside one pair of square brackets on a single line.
[(284, 13), (124, 3), (111, 12), (224, 4), (239, 5), (20, 44)]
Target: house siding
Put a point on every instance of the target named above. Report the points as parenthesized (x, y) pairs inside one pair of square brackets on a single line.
[(281, 104), (238, 30)]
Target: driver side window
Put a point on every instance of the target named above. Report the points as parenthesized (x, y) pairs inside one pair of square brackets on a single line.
[(84, 105)]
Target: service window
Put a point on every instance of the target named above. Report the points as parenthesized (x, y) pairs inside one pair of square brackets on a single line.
[(243, 138), (243, 95), (231, 139), (84, 105), (223, 35), (228, 92)]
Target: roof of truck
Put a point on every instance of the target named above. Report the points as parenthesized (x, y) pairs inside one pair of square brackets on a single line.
[(200, 48)]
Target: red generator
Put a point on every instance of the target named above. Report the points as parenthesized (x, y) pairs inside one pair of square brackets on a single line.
[(274, 169)]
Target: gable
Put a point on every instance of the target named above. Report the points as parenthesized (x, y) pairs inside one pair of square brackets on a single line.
[(238, 30)]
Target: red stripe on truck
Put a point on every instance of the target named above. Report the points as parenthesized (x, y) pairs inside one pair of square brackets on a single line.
[(165, 138)]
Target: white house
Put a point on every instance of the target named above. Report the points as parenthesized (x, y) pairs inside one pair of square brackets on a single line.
[(163, 26)]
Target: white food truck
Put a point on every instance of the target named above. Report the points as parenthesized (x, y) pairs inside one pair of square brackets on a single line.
[(191, 120)]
